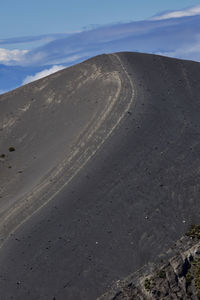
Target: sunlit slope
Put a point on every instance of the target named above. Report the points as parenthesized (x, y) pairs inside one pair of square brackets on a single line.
[(55, 125), (110, 152)]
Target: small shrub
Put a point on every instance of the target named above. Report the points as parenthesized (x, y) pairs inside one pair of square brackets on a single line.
[(196, 268), (161, 274), (194, 232), (147, 284), (11, 149), (188, 278), (3, 155)]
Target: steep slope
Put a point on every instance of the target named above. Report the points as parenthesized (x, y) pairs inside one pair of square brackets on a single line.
[(107, 158), (56, 125)]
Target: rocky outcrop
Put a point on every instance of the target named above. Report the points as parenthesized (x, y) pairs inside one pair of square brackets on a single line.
[(176, 277)]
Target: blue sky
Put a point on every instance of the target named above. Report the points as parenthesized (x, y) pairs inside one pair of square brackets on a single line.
[(28, 17)]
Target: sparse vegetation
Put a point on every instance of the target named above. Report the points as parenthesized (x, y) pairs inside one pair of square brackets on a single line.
[(11, 149), (188, 278), (161, 274), (2, 155), (194, 232), (196, 268), (148, 284)]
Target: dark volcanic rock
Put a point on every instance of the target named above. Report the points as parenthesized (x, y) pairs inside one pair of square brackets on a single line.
[(165, 281), (105, 176)]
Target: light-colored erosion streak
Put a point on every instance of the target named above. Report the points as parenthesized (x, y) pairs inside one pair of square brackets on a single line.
[(90, 141)]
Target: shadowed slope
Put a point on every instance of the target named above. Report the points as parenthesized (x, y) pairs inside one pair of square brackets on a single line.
[(114, 144)]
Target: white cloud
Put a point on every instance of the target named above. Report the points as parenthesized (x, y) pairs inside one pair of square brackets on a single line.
[(42, 74), (2, 92), (15, 55), (67, 59), (193, 11), (186, 52)]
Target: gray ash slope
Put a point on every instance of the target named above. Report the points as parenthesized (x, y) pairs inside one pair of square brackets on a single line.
[(104, 176)]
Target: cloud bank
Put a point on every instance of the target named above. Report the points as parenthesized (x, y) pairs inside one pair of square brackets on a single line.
[(193, 11), (15, 55), (44, 73)]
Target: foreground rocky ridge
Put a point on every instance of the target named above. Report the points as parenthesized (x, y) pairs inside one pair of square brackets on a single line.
[(177, 275)]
